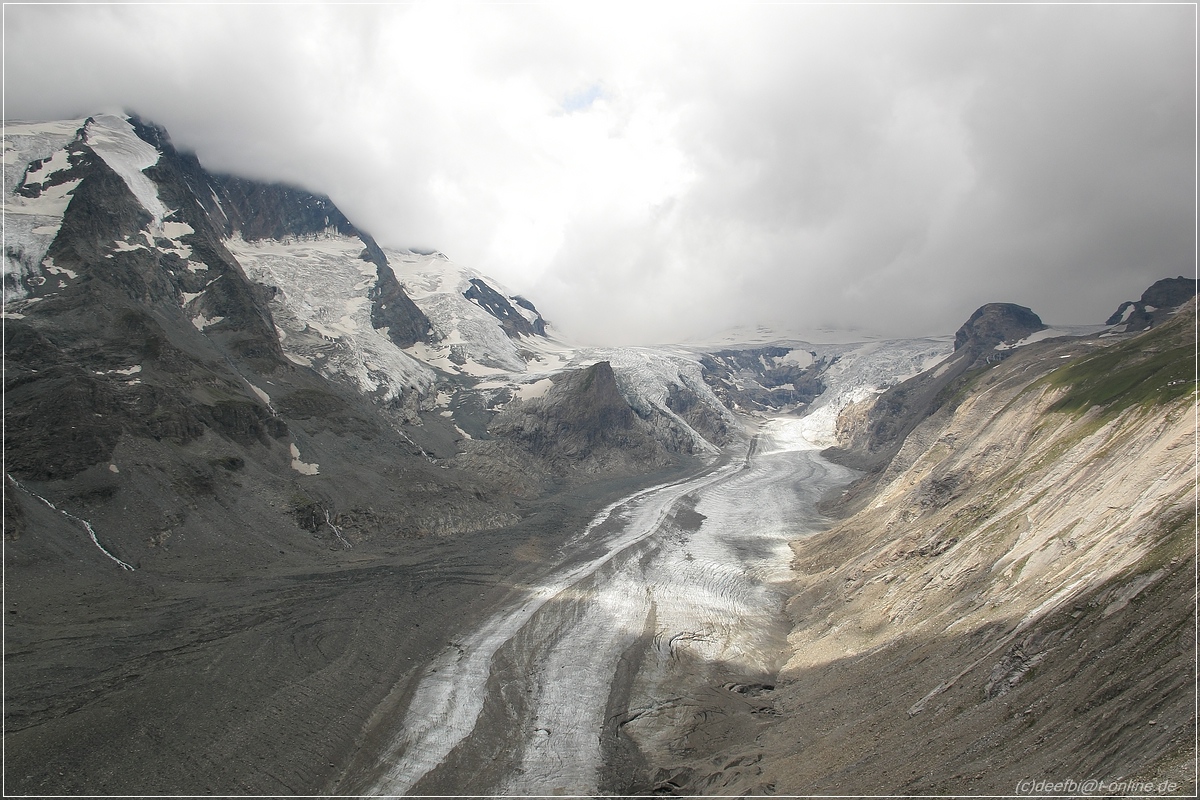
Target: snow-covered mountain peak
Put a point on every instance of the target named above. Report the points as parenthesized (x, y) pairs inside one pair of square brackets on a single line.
[(114, 140), (472, 336), (411, 330)]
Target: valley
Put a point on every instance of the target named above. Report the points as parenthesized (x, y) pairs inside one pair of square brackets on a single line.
[(287, 512), (670, 590)]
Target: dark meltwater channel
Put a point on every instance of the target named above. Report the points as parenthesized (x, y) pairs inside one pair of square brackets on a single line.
[(659, 585)]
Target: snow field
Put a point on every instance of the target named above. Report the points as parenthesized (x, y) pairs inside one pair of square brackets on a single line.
[(30, 224), (323, 312)]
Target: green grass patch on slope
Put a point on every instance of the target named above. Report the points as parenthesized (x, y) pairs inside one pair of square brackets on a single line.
[(1153, 368)]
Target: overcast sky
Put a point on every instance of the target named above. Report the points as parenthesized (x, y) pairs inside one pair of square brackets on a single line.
[(649, 173)]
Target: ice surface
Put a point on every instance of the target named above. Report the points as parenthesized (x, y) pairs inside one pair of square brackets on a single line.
[(30, 141), (715, 591), (464, 330), (450, 697), (864, 369), (323, 312), (30, 224)]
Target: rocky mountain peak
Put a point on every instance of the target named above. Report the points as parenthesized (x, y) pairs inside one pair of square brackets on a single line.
[(996, 323), (1156, 304), (880, 429), (583, 420)]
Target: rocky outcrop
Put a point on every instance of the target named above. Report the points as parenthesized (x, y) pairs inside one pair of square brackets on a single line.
[(765, 378), (582, 424), (391, 307), (515, 324), (538, 323), (996, 323), (257, 210), (1156, 305), (882, 426)]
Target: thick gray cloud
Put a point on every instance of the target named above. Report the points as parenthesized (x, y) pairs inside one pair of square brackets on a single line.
[(647, 174)]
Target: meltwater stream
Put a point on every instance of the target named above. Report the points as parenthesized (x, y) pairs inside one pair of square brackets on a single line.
[(696, 568)]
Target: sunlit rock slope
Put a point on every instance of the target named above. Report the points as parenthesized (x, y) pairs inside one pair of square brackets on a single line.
[(1015, 601)]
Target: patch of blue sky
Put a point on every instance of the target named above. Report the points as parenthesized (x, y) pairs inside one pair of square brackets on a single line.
[(582, 99)]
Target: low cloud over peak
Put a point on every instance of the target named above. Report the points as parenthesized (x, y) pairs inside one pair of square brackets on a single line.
[(647, 176)]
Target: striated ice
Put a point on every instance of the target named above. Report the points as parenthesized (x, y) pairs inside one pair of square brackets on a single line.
[(633, 577)]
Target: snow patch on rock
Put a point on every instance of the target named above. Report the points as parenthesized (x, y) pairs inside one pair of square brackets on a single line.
[(300, 466)]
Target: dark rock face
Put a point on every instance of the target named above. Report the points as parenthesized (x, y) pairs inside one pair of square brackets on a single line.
[(254, 211), (127, 338), (582, 418), (271, 211), (112, 351), (996, 323), (391, 307), (511, 320), (1156, 304), (539, 324), (760, 379), (696, 413)]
